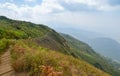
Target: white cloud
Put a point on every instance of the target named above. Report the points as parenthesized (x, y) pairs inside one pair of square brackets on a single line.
[(46, 13), (30, 0), (51, 5), (48, 7), (33, 13), (11, 0), (99, 5)]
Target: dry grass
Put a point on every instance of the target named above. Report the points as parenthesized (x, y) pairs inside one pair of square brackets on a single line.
[(39, 61), (49, 71)]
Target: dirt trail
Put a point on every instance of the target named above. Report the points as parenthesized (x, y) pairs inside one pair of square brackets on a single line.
[(5, 65)]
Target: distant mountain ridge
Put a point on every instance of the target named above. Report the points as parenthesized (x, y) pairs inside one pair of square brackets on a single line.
[(100, 43), (84, 51), (107, 46), (80, 34)]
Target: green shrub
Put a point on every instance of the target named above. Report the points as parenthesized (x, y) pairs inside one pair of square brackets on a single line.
[(32, 59), (4, 44)]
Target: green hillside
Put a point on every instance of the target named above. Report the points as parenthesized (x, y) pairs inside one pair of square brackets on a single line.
[(28, 57), (33, 45), (84, 51), (46, 37)]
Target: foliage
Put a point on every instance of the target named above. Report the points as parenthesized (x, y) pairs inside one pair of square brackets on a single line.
[(35, 59), (43, 35), (12, 29), (27, 53), (85, 52), (4, 44)]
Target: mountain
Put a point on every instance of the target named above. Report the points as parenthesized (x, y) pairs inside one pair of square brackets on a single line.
[(107, 46), (84, 51), (80, 34), (35, 47), (100, 43), (34, 60), (13, 29)]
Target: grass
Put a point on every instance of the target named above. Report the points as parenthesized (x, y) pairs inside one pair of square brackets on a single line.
[(80, 50), (27, 58), (4, 44), (25, 52)]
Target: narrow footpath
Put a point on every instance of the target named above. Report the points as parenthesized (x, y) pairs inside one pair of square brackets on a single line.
[(5, 65)]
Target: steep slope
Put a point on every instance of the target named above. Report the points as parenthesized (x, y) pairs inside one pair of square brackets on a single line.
[(84, 51), (45, 62), (46, 37), (80, 34), (14, 30), (100, 43)]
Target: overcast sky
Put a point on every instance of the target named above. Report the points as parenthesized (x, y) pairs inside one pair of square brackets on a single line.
[(95, 15)]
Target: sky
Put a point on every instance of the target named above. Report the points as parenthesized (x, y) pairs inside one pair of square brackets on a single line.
[(101, 16)]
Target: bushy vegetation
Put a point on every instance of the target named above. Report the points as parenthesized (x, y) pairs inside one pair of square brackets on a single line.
[(31, 59), (12, 29), (29, 52), (80, 50), (4, 44), (43, 35)]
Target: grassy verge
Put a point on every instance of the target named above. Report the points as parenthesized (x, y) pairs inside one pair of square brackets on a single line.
[(31, 58)]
